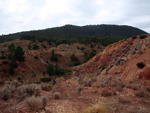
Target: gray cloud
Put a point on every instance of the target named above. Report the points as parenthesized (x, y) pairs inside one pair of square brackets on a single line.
[(23, 15)]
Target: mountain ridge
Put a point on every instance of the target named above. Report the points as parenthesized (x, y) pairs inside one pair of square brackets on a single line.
[(77, 33)]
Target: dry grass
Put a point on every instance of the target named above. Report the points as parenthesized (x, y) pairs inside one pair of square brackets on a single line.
[(97, 108)]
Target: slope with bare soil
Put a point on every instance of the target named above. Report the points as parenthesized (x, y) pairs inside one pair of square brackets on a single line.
[(38, 60)]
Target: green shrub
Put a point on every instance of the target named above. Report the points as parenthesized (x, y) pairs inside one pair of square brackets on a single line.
[(134, 37), (45, 79), (43, 46), (5, 62), (35, 47), (54, 56), (29, 46), (141, 65), (3, 57), (19, 77), (143, 36), (50, 69), (36, 57)]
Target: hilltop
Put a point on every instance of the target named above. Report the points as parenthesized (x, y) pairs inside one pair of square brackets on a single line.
[(104, 34)]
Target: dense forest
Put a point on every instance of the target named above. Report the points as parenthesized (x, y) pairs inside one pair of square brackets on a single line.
[(104, 34)]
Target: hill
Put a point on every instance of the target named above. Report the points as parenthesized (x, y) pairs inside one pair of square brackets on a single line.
[(116, 80), (104, 34)]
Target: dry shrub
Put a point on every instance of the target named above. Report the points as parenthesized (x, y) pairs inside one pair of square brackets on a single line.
[(106, 93), (59, 80), (45, 87), (79, 89), (5, 93), (143, 110), (119, 84), (36, 103), (56, 95), (14, 83), (142, 93), (123, 100), (148, 89), (135, 86), (28, 90), (88, 83), (97, 108)]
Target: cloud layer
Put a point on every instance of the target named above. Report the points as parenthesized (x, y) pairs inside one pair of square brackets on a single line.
[(24, 15)]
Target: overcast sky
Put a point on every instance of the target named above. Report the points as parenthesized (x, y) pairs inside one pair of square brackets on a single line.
[(24, 15)]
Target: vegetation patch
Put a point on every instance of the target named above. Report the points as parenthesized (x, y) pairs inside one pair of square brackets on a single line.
[(141, 65)]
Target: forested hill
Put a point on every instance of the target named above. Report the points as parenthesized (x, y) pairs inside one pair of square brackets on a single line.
[(105, 34)]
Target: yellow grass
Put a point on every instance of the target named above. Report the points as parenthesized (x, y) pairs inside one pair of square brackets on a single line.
[(96, 108)]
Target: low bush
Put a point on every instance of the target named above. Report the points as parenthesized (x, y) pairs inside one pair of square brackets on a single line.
[(19, 77), (4, 62), (5, 93), (45, 79), (141, 65), (106, 93), (29, 90), (56, 95), (142, 93), (79, 89), (36, 103), (45, 87), (134, 37), (3, 57), (36, 57), (124, 100), (143, 36)]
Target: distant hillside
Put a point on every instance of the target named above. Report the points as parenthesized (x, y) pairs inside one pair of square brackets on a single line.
[(105, 34)]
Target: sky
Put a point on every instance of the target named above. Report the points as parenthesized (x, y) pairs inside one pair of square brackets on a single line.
[(25, 15)]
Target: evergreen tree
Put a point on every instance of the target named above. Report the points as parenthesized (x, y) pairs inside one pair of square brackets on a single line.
[(11, 70), (50, 70), (19, 54), (11, 48), (29, 46), (54, 56)]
